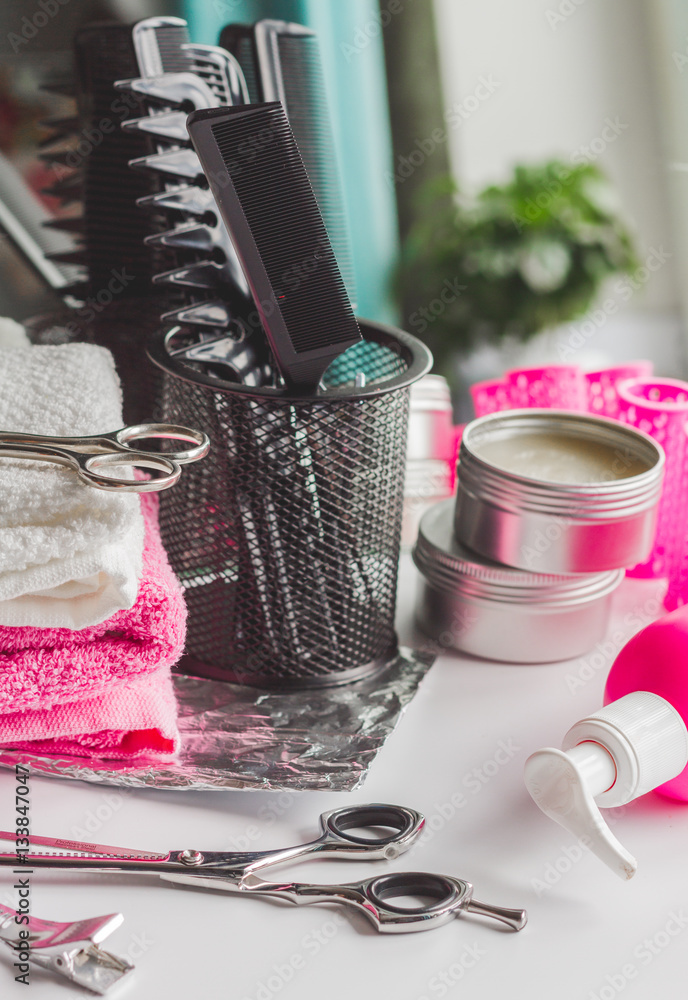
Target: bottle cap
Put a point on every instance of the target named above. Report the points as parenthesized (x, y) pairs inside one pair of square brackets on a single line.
[(609, 758)]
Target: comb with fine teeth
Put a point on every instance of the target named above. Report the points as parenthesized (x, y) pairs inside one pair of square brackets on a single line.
[(263, 193), (282, 62)]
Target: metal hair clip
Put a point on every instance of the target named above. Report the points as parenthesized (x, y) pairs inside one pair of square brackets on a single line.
[(70, 950)]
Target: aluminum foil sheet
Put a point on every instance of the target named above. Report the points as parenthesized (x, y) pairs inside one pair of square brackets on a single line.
[(241, 737)]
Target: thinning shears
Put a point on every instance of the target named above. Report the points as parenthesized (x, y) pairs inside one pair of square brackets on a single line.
[(240, 872), (91, 457)]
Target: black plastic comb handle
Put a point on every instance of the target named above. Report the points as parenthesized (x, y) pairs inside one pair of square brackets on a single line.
[(265, 198)]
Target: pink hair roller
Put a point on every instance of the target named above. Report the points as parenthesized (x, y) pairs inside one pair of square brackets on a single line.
[(490, 396), (603, 396), (677, 563), (659, 406), (560, 387)]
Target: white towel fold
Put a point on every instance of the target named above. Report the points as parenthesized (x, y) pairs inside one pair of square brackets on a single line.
[(70, 555), (12, 334)]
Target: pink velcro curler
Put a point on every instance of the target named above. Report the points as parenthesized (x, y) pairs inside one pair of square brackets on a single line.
[(560, 387), (659, 406), (603, 396), (677, 560), (490, 396)]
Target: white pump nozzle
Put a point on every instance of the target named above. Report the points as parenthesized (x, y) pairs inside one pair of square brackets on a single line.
[(610, 758)]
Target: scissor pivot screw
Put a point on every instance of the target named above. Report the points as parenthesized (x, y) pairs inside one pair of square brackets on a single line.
[(191, 857)]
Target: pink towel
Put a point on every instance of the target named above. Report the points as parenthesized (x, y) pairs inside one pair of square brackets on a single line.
[(104, 691)]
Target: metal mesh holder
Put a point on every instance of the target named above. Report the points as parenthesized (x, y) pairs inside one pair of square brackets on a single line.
[(286, 537)]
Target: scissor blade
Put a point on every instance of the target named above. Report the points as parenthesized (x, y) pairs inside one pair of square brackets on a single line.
[(84, 848)]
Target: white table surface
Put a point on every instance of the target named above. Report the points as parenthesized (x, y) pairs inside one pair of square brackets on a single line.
[(589, 935)]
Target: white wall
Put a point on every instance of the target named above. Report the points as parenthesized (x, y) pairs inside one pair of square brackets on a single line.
[(565, 68), (669, 23)]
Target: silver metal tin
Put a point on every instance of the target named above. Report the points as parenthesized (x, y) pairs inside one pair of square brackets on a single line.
[(555, 527), (475, 605)]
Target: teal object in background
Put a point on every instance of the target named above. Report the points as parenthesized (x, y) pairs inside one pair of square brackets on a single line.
[(353, 59)]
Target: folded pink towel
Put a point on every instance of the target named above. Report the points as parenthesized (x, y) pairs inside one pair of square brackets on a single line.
[(104, 691)]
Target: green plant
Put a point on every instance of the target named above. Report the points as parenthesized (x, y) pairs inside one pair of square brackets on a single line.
[(516, 259)]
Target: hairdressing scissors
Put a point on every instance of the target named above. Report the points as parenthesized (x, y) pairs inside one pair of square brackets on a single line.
[(91, 457), (239, 872)]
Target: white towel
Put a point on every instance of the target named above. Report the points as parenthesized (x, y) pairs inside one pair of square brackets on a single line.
[(12, 334), (70, 555)]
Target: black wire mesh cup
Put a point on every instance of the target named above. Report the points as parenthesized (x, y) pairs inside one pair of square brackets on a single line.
[(286, 537)]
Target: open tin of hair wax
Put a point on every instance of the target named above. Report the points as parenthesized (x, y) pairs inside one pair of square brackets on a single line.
[(475, 605), (554, 491)]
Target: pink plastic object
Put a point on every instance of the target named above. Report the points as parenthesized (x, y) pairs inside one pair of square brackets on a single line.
[(561, 387), (458, 434), (659, 406), (655, 660), (603, 396), (677, 562), (490, 396)]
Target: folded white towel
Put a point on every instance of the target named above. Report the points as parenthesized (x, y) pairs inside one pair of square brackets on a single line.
[(12, 334), (70, 555)]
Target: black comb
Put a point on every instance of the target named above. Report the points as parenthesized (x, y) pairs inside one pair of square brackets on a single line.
[(263, 193), (282, 62), (240, 40), (113, 227)]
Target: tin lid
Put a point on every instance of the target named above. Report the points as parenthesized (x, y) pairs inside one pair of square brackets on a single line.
[(631, 483), (451, 566)]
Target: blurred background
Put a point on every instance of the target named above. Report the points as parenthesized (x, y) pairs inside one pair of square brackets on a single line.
[(516, 174)]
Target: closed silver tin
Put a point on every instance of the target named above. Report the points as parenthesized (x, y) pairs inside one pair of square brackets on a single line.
[(551, 526), (475, 605)]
